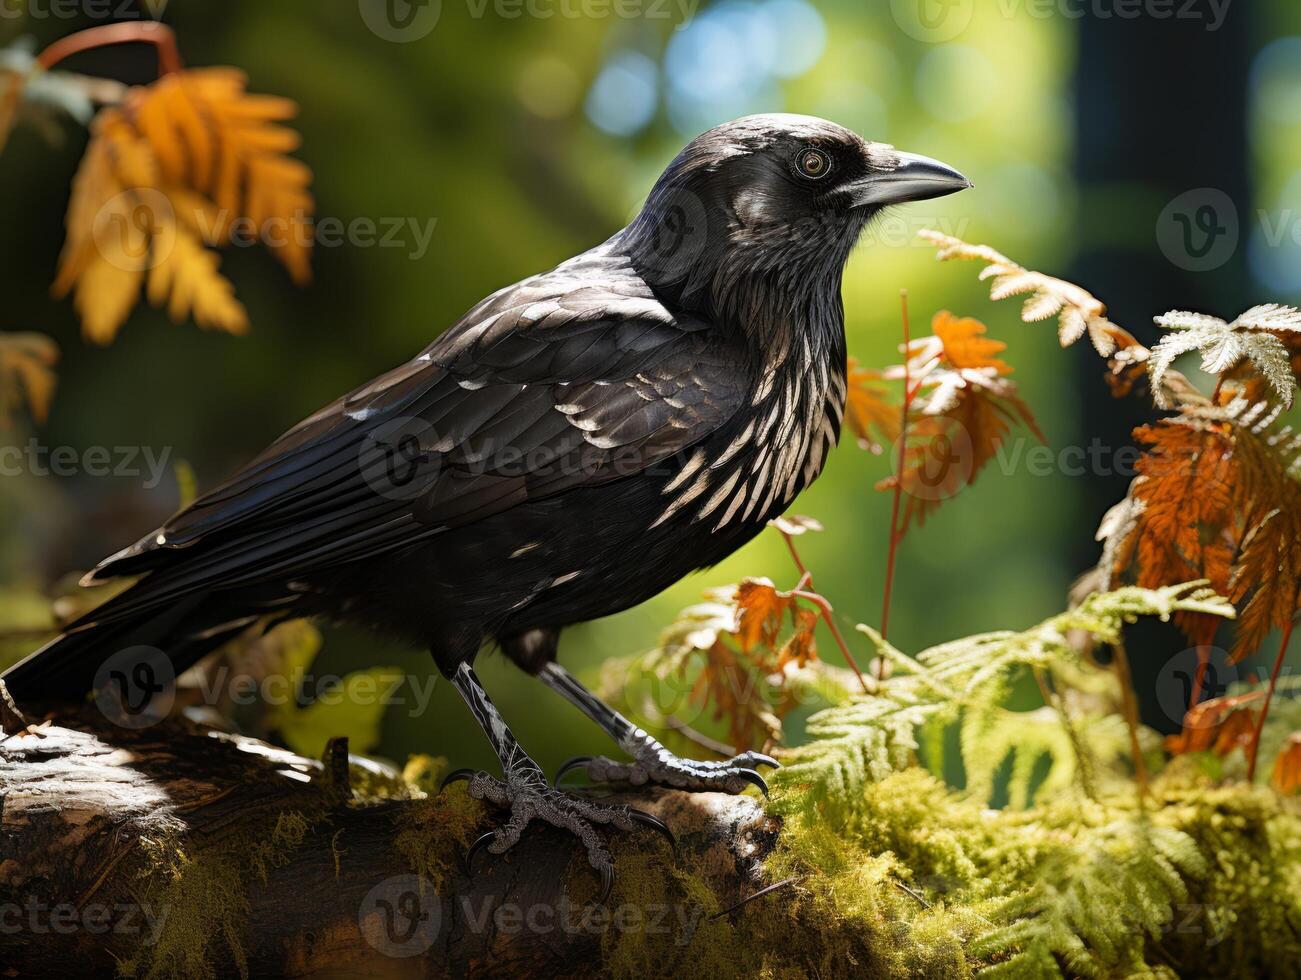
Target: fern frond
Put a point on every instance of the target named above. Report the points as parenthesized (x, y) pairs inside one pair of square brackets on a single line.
[(1223, 345)]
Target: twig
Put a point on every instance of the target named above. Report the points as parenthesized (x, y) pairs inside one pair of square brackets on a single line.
[(1120, 661), (917, 895), (1199, 675), (720, 749), (803, 590), (126, 32), (826, 609), (1269, 696), (784, 883), (897, 496)]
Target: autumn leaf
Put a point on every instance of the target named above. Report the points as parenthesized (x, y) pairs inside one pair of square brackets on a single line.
[(1218, 725), (1215, 500), (734, 652), (1286, 777), (801, 646), (1078, 313), (962, 411), (164, 179), (210, 135), (26, 374), (963, 344), (868, 414), (760, 609), (1185, 530)]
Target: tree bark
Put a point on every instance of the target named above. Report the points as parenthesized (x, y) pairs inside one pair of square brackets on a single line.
[(180, 849)]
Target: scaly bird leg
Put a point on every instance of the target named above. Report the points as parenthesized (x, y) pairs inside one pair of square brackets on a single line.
[(524, 790), (651, 761)]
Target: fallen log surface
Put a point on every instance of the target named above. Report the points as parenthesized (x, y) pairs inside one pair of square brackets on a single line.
[(181, 850)]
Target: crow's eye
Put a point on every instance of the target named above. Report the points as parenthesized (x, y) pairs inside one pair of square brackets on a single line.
[(813, 163)]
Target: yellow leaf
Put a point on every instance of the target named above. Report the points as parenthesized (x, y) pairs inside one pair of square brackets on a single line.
[(212, 135), (187, 280), (27, 372)]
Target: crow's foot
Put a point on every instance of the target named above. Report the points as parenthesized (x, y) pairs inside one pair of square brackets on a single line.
[(653, 763), (529, 797)]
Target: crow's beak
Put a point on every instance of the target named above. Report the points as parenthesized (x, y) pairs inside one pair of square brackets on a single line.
[(917, 178)]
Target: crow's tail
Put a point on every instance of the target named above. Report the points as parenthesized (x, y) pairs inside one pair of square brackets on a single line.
[(114, 638)]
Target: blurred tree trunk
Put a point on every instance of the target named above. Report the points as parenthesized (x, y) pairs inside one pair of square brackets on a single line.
[(1161, 159), (183, 851)]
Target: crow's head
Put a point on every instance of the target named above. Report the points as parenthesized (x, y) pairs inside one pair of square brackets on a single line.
[(773, 197)]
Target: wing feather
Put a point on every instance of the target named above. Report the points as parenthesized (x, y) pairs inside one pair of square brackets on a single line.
[(526, 397)]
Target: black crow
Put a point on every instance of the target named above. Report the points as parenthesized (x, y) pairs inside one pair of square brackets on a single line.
[(573, 445)]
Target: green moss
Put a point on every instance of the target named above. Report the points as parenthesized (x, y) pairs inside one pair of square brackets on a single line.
[(433, 833), (202, 889)]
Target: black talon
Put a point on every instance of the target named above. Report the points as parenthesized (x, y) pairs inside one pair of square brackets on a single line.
[(607, 884), (454, 776), (477, 846), (654, 823), (574, 763), (750, 776), (765, 760)]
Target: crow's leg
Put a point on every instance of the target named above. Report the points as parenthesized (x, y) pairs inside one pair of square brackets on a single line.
[(524, 790), (651, 761)]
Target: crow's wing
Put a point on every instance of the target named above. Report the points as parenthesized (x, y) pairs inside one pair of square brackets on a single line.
[(536, 391)]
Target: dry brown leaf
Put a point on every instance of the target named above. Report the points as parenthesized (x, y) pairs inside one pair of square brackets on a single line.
[(1187, 527), (1218, 725)]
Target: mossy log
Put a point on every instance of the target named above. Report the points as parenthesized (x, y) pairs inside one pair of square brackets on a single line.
[(181, 850)]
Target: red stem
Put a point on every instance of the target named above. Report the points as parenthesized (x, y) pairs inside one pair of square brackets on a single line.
[(806, 582), (127, 32), (898, 484), (1199, 677), (1269, 696), (826, 610)]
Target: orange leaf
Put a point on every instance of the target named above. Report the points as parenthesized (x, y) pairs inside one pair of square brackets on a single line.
[(1287, 767), (867, 413), (759, 611), (965, 344), (1219, 725)]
